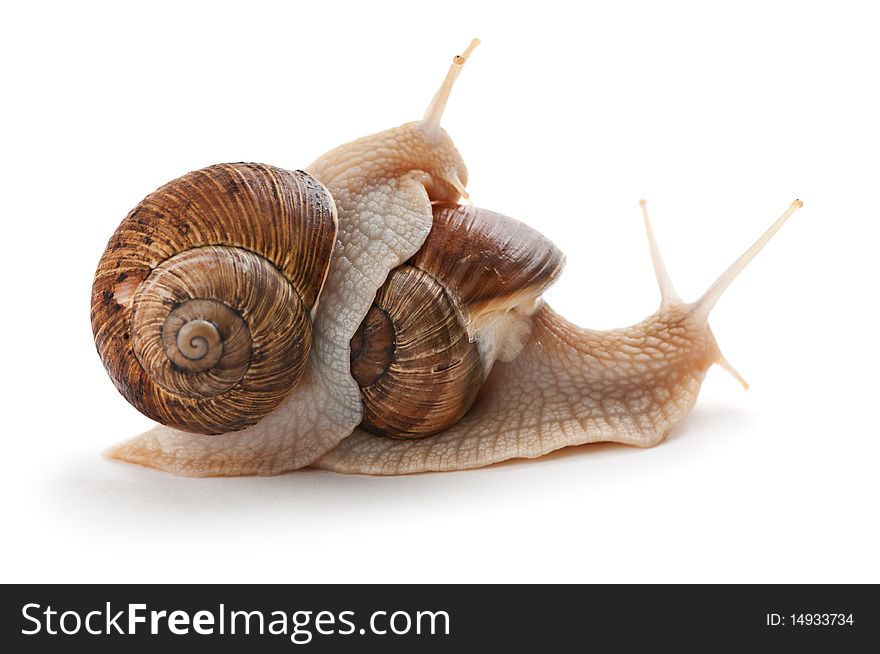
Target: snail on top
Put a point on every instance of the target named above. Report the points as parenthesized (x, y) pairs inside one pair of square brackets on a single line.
[(356, 317)]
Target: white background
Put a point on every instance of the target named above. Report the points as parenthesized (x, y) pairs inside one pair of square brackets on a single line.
[(566, 116)]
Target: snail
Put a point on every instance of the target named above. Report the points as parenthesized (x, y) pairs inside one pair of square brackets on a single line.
[(355, 316)]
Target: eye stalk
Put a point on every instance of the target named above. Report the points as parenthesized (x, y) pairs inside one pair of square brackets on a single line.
[(699, 311), (702, 307), (431, 121)]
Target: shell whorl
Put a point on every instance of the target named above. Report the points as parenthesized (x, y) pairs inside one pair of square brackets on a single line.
[(413, 353), (440, 321), (202, 302)]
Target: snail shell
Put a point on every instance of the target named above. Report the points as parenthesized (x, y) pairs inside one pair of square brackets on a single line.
[(417, 370), (442, 319), (202, 301), (203, 305)]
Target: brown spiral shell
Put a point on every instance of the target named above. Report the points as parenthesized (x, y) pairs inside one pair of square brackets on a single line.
[(413, 353), (202, 301), (420, 355)]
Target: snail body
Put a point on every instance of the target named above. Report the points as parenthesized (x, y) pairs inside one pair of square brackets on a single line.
[(354, 316)]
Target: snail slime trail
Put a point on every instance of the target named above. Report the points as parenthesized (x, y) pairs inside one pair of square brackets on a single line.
[(356, 317)]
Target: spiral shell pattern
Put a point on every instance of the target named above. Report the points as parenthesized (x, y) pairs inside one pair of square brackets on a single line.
[(438, 324), (417, 369), (202, 302)]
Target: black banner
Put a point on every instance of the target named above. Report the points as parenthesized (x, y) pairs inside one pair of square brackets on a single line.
[(253, 618)]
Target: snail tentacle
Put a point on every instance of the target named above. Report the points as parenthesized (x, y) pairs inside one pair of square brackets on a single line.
[(571, 386)]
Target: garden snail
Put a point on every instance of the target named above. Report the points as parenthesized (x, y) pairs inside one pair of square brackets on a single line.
[(355, 317)]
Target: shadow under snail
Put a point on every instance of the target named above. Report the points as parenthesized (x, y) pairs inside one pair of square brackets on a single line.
[(355, 317)]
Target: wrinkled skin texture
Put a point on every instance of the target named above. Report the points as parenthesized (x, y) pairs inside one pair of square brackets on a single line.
[(383, 186), (568, 386), (554, 384)]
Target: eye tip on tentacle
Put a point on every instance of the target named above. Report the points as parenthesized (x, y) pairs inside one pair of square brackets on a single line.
[(699, 310), (434, 114), (703, 306)]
